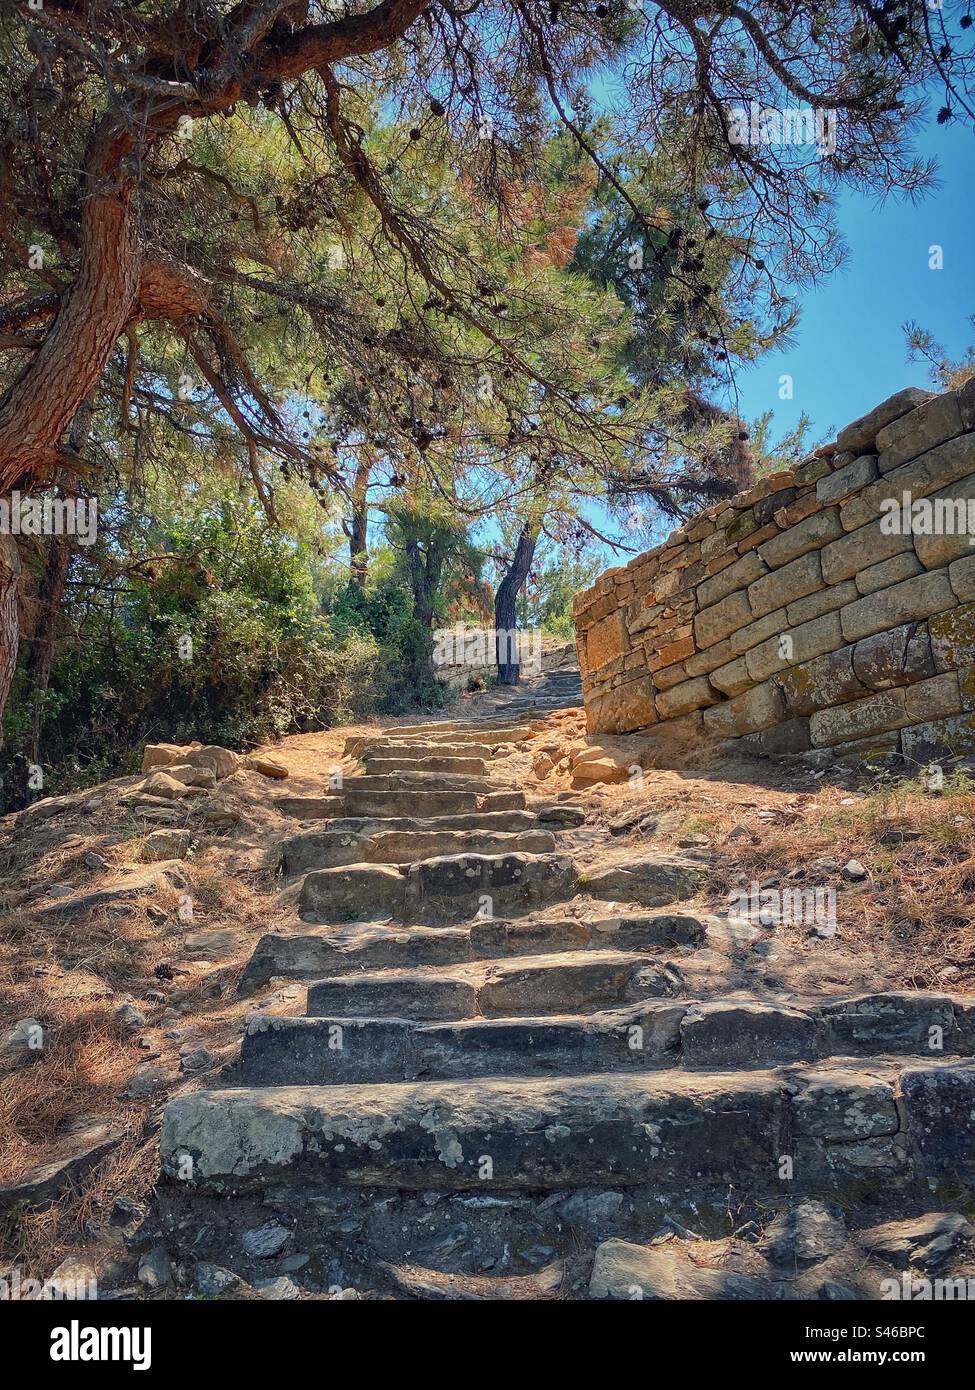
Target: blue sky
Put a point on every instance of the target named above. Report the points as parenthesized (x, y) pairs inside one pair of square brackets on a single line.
[(849, 351)]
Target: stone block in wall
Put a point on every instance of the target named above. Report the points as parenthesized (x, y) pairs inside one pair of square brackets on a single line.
[(937, 698), (737, 576), (858, 719), (732, 678), (720, 562), (966, 687), (913, 434), (688, 729), (642, 613), (666, 584), (804, 642), (701, 529), (953, 638), (681, 699), (602, 608), (860, 751), (939, 738), (899, 656), (888, 572), (756, 709), (670, 676), (835, 487), (810, 534), (790, 737), (811, 470), (824, 601), (723, 618), (671, 652), (714, 545), (630, 706), (858, 550), (710, 659), (765, 487), (741, 525), (785, 585), (961, 576), (827, 680), (936, 469), (749, 636), (862, 433), (606, 640), (758, 538), (806, 504), (777, 500), (609, 669), (948, 519), (915, 598)]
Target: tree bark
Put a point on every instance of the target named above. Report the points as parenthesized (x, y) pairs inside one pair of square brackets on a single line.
[(9, 619), (358, 528), (426, 568), (51, 596), (43, 400), (505, 605)]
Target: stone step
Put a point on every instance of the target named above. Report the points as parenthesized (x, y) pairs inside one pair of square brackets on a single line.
[(318, 951), (501, 822), (381, 764), (354, 802), (335, 1050), (322, 849), (384, 748), (774, 1132), (746, 1033), (416, 780), (464, 729), (454, 880), (425, 803), (532, 985)]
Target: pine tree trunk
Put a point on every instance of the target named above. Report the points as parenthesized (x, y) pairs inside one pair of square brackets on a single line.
[(9, 619), (505, 605), (51, 596), (358, 530)]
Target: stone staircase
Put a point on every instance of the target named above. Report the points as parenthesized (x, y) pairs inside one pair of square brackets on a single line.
[(492, 1019)]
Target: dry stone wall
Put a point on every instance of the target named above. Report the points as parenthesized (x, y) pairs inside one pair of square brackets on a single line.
[(831, 607)]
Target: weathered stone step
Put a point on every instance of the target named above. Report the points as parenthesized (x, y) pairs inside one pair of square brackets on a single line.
[(381, 764), (747, 1033), (383, 748), (317, 951), (322, 849), (368, 889), (501, 822), (426, 803), (497, 730), (532, 985), (412, 805), (779, 1132), (334, 1050), (416, 780), (750, 1032)]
